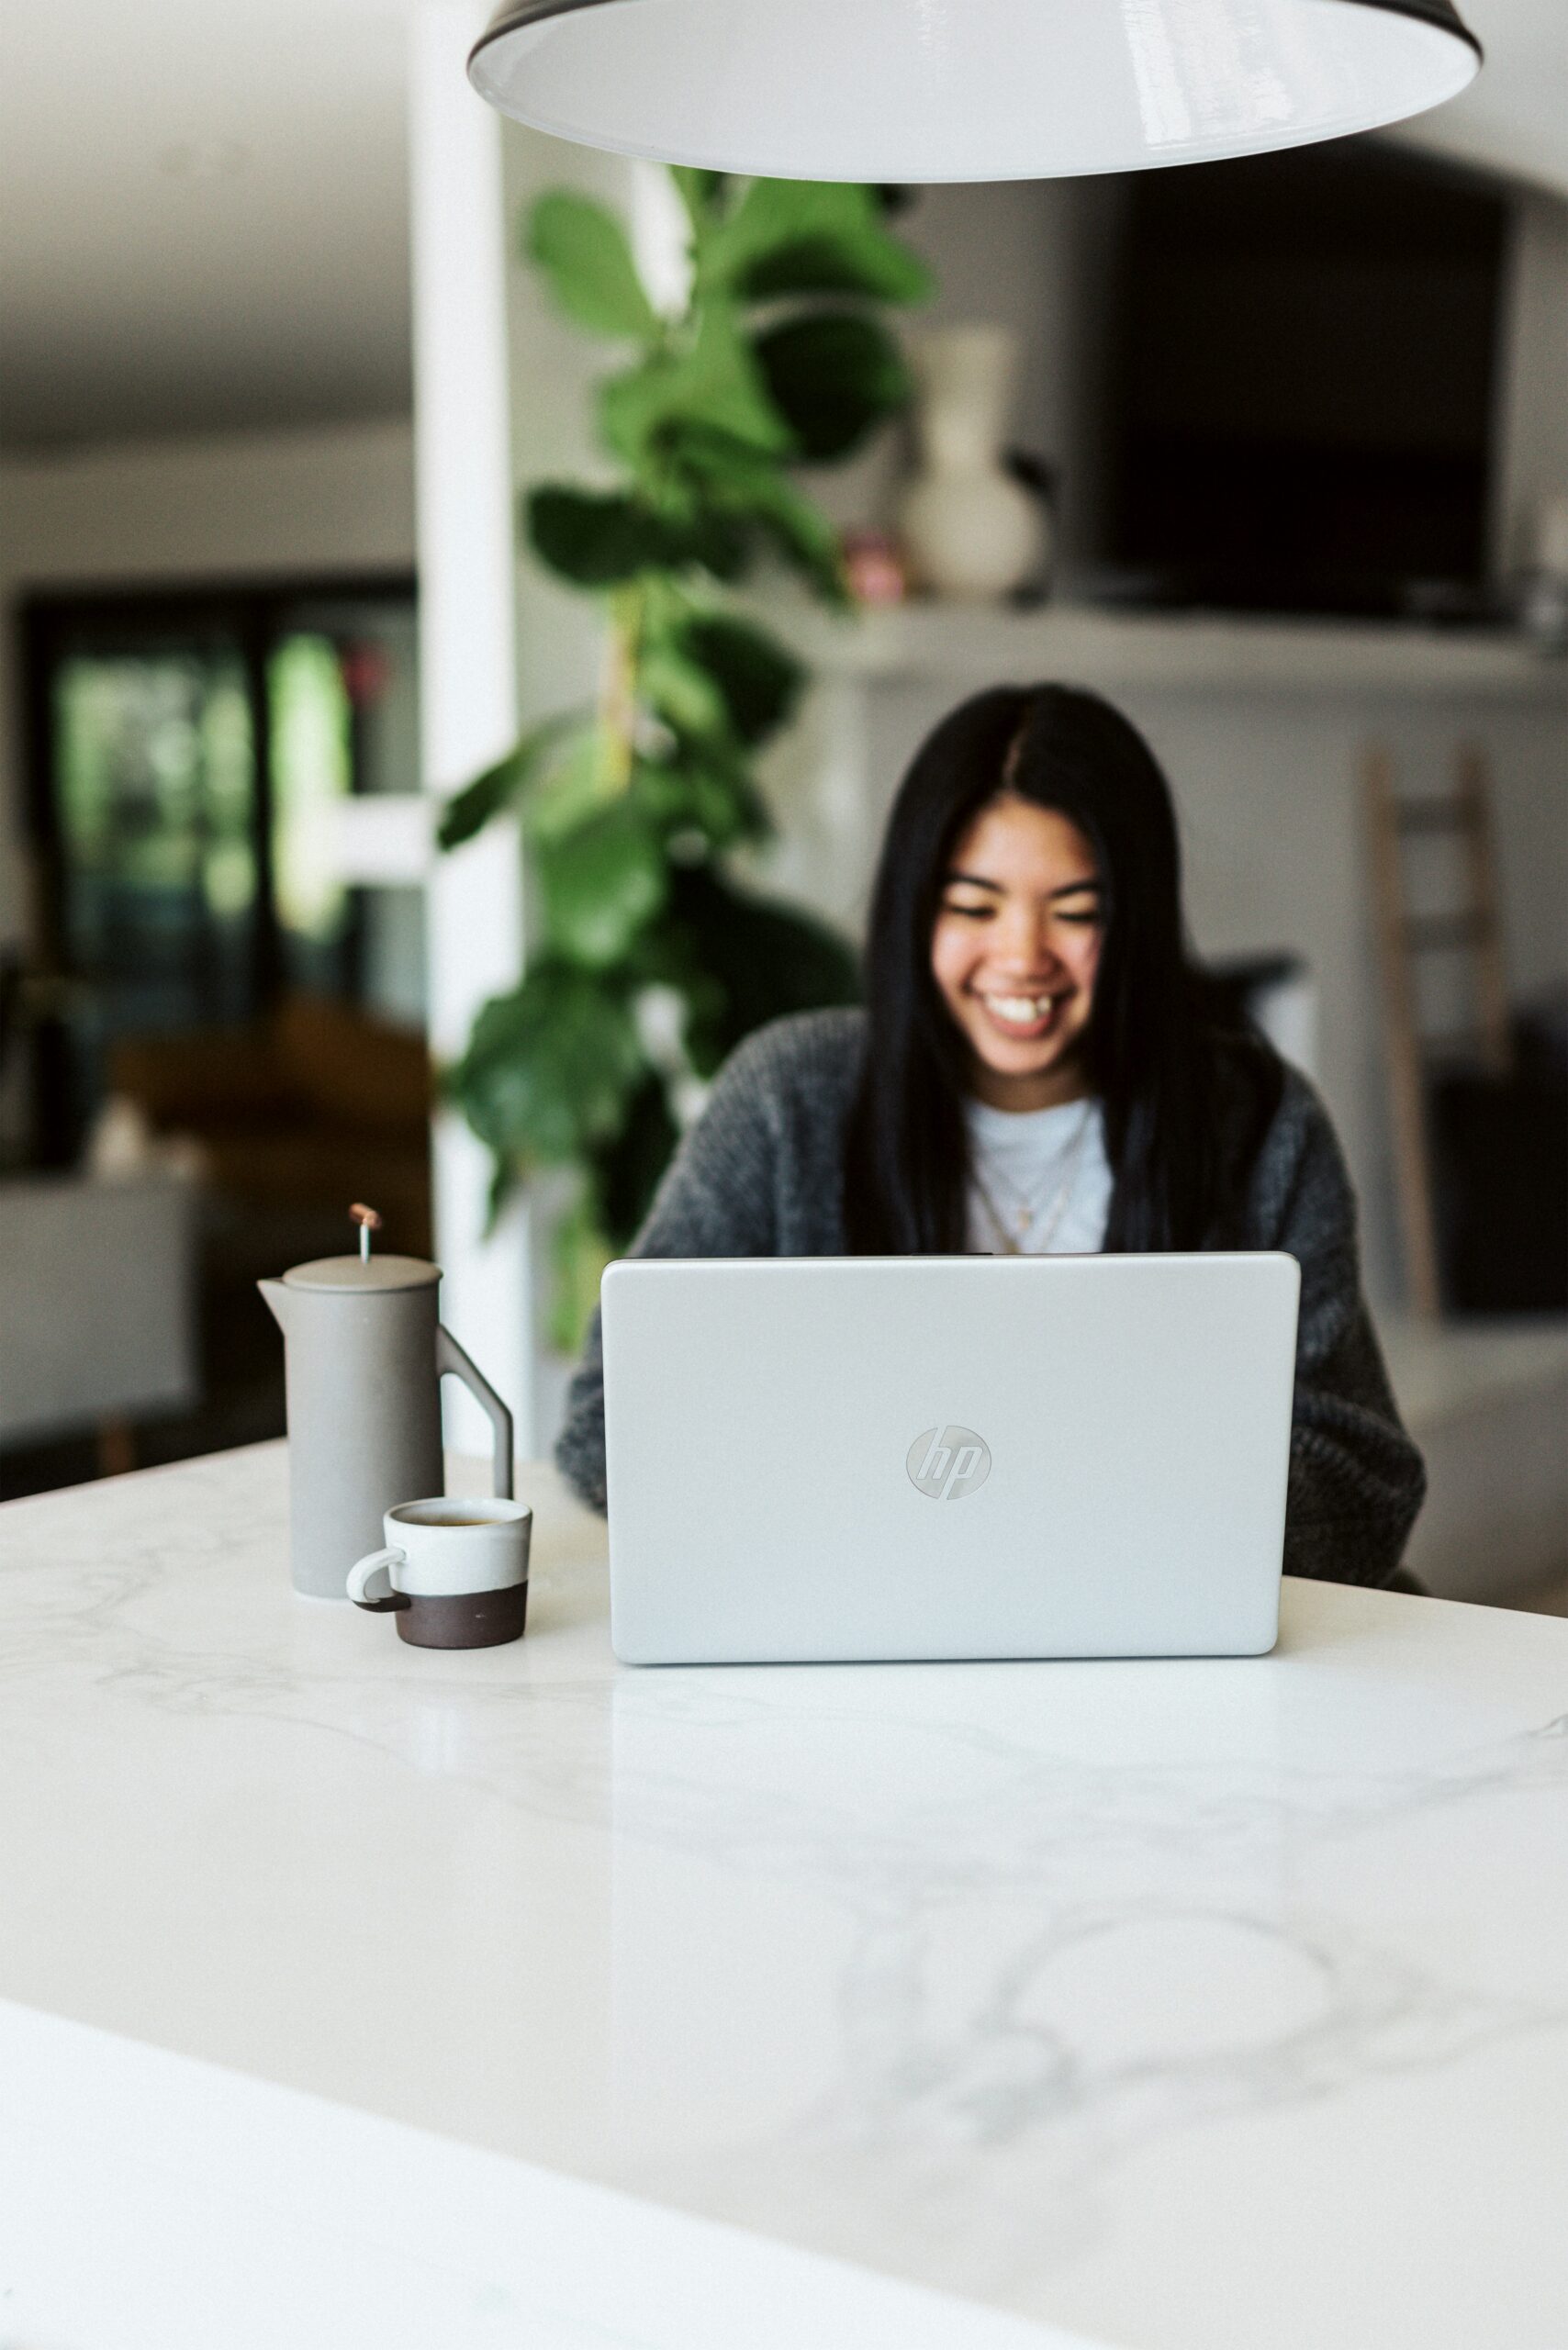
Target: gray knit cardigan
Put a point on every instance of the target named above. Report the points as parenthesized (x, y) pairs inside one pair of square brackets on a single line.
[(760, 1175)]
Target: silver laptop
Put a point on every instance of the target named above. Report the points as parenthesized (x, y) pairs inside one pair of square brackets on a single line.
[(836, 1459)]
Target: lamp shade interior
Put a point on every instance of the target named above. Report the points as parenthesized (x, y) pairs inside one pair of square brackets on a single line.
[(929, 90)]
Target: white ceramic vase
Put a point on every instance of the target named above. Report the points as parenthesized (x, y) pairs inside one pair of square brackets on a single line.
[(970, 532)]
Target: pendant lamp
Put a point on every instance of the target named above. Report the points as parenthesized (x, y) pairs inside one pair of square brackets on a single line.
[(926, 90)]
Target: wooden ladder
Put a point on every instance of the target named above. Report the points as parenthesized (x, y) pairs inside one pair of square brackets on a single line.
[(1472, 928)]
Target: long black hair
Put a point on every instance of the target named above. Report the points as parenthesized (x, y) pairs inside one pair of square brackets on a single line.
[(1154, 1043)]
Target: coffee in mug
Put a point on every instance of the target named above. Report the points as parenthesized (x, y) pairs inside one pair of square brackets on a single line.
[(454, 1573)]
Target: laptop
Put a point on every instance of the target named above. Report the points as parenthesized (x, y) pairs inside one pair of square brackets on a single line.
[(830, 1459)]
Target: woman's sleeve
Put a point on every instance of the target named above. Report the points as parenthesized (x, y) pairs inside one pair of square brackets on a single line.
[(717, 1199), (1356, 1480)]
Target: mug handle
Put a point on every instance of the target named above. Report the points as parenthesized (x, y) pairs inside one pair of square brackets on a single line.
[(360, 1574), (450, 1357)]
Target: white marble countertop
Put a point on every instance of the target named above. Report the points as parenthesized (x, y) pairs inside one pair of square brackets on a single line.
[(1176, 2007)]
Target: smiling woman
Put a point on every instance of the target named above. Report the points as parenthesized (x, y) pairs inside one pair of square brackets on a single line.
[(1026, 953), (1014, 951), (1041, 1068)]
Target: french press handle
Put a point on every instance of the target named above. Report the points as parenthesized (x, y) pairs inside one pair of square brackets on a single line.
[(450, 1357)]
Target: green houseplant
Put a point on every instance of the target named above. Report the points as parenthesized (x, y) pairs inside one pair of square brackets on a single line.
[(653, 958)]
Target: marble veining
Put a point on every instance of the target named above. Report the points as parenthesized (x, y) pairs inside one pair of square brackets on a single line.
[(1184, 2004)]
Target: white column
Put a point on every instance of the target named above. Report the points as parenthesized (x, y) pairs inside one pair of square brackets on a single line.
[(554, 370), (467, 663)]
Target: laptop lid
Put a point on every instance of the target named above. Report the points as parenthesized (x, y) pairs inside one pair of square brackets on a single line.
[(920, 1457)]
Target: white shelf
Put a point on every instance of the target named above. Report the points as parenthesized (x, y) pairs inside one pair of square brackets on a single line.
[(1176, 651)]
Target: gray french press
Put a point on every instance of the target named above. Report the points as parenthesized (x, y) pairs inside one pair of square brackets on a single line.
[(365, 1356)]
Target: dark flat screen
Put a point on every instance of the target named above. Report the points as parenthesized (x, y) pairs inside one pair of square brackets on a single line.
[(1302, 391)]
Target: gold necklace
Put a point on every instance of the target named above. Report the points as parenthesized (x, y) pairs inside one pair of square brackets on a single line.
[(1013, 1236)]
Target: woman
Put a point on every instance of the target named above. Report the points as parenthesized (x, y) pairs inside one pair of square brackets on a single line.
[(1040, 1067)]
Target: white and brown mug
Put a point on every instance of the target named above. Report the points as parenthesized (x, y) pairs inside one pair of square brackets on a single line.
[(454, 1572)]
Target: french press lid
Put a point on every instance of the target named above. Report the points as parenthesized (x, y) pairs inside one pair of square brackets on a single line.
[(364, 1271)]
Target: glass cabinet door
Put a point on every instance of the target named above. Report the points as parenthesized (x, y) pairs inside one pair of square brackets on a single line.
[(192, 758), (156, 808)]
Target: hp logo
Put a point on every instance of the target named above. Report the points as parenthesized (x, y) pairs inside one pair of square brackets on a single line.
[(947, 1464)]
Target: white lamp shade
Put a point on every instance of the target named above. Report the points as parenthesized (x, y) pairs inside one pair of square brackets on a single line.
[(926, 90)]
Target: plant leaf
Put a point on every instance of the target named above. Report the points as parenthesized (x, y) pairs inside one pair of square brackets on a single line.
[(679, 691), (627, 1170), (594, 538), (769, 959), (548, 1067), (470, 810), (698, 190), (698, 790), (835, 377), (811, 236), (878, 268), (503, 1184), (736, 482), (715, 381), (582, 250), (600, 883), (803, 536), (573, 792), (760, 681), (604, 538), (579, 1251)]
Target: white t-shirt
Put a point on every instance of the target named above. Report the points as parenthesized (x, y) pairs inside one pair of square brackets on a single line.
[(1024, 1158)]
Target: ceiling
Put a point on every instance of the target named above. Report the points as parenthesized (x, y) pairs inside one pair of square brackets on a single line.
[(203, 215), (203, 204)]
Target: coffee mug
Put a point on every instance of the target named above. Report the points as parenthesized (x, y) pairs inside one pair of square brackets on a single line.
[(454, 1572)]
